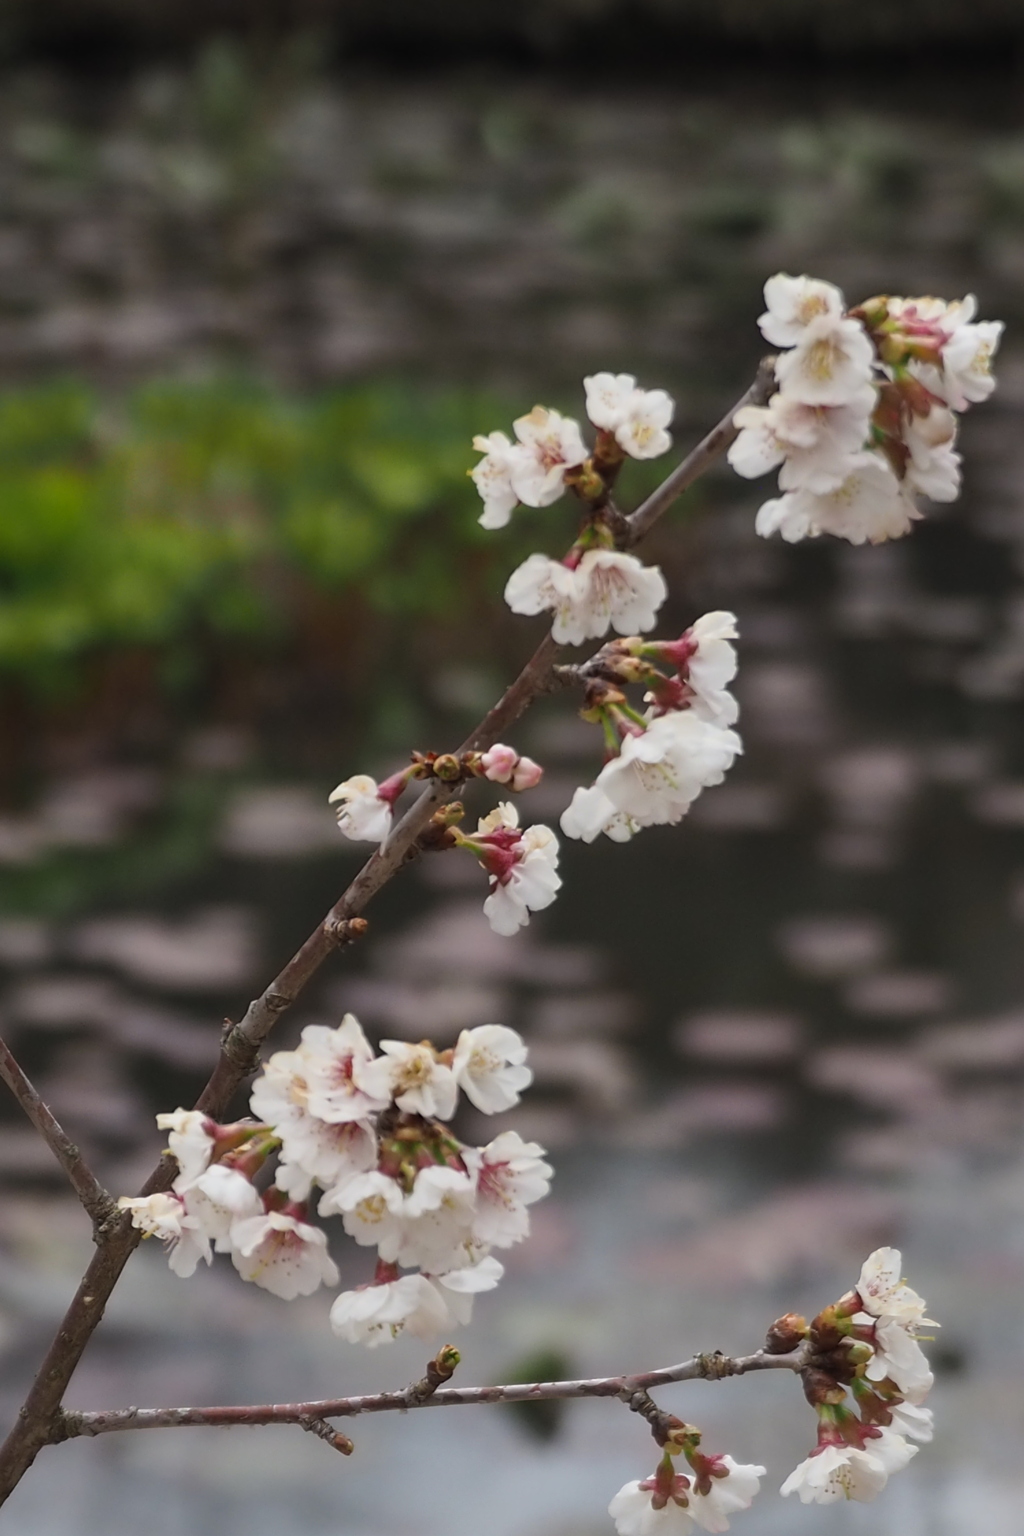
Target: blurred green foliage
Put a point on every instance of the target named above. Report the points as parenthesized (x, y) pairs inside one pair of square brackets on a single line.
[(184, 517), (184, 513)]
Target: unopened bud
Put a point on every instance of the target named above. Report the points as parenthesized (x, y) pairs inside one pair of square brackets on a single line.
[(599, 696), (873, 312), (848, 1304), (830, 1327), (682, 1437), (785, 1334), (447, 768), (820, 1389), (449, 815), (587, 481), (446, 1360)]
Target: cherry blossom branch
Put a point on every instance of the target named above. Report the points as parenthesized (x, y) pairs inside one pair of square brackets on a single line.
[(713, 1367), (98, 1203), (39, 1421)]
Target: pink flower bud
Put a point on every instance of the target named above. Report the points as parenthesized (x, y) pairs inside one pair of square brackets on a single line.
[(527, 774), (499, 763)]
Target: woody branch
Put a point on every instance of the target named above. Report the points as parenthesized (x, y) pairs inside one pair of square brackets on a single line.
[(39, 1421), (713, 1367)]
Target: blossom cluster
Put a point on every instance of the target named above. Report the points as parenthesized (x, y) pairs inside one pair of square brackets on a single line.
[(549, 453), (370, 1132), (596, 587), (867, 1342), (865, 417), (660, 760), (673, 1503), (521, 862), (365, 809)]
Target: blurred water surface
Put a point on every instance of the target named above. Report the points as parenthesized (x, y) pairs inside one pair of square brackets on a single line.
[(764, 1041)]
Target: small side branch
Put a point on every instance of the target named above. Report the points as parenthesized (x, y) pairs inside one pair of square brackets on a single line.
[(439, 1370), (97, 1201), (625, 1387), (699, 460), (325, 1432), (643, 1403)]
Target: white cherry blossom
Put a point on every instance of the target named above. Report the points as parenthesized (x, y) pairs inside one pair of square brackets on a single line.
[(913, 1420), (511, 1174), (793, 303), (712, 666), (166, 1217), (530, 885), (313, 1151), (813, 444), (606, 590), (884, 1293), (418, 1082), (489, 1067), (191, 1142), (283, 1255), (458, 1287), (726, 1495), (637, 417), (362, 814), (657, 775), (830, 364), (550, 444), (493, 478), (933, 468), (590, 813), (837, 1472), (371, 1206), (890, 1448), (345, 1080), (869, 507), (220, 1197), (609, 398), (634, 1513), (900, 1357), (158, 1215), (967, 363), (280, 1093), (643, 432), (438, 1219), (377, 1314)]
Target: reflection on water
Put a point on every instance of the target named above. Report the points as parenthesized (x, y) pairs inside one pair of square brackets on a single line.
[(764, 1041)]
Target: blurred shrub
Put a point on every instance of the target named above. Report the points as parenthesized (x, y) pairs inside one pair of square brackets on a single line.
[(185, 513)]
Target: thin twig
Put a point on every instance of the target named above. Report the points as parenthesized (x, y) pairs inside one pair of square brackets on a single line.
[(640, 1401), (323, 1431), (695, 1369), (699, 459), (439, 1370), (97, 1201), (40, 1421)]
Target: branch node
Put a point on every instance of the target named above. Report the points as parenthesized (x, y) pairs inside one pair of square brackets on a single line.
[(715, 1367), (439, 1370), (344, 930), (241, 1053), (106, 1221), (325, 1432)]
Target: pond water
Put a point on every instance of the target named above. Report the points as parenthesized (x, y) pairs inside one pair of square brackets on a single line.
[(764, 1042)]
